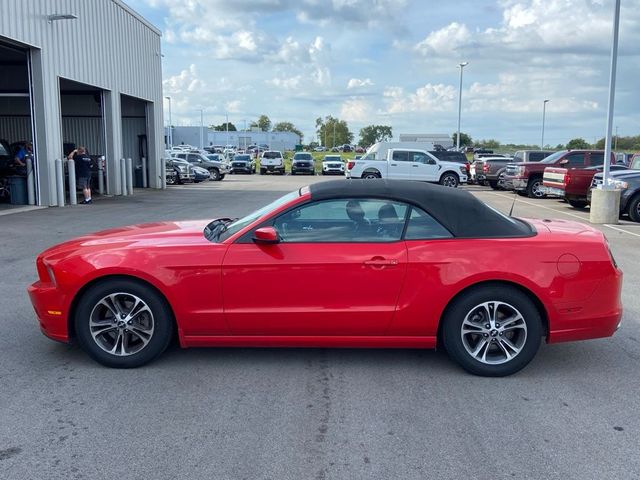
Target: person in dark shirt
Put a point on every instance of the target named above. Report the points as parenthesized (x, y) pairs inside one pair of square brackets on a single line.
[(83, 172), (20, 159)]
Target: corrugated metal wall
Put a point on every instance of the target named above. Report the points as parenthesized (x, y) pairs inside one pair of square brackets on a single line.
[(107, 46)]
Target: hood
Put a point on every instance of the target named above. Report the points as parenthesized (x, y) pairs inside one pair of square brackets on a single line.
[(620, 174), (139, 236)]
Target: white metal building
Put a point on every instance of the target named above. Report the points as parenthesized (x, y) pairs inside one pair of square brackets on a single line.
[(192, 135), (435, 138), (81, 72)]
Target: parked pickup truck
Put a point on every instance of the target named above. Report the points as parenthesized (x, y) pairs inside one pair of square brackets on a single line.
[(572, 184), (628, 181), (409, 164), (488, 168), (526, 177)]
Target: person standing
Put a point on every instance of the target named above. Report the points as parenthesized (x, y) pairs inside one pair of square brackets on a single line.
[(20, 159), (83, 172)]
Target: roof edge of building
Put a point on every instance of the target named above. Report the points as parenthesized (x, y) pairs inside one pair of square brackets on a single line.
[(139, 17)]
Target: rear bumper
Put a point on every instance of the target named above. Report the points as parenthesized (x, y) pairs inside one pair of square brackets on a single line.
[(48, 304)]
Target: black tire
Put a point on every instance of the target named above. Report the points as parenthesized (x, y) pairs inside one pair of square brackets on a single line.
[(634, 208), (293, 172), (214, 175), (522, 193), (449, 179), (161, 322), (494, 184), (577, 203), (262, 172), (172, 180), (525, 334), (533, 188), (371, 175), (221, 177)]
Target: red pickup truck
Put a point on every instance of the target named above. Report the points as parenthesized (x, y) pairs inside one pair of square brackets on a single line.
[(572, 183), (526, 177)]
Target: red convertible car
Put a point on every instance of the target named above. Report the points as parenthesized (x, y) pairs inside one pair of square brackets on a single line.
[(339, 264)]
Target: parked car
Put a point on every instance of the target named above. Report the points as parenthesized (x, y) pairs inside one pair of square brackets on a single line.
[(487, 170), (346, 148), (523, 156), (6, 159), (360, 149), (319, 149), (183, 170), (303, 163), (409, 164), (124, 294), (526, 177), (200, 174), (171, 176), (452, 156), (217, 169), (272, 161), (629, 183), (244, 163), (573, 184), (332, 165)]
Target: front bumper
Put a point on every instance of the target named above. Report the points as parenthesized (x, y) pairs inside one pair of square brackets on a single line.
[(243, 168), (48, 303)]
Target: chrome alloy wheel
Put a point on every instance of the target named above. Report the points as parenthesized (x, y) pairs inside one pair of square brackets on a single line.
[(493, 332), (121, 324), (450, 181)]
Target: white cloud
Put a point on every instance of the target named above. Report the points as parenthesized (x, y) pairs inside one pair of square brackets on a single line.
[(357, 109), (445, 41), (185, 81), (429, 98), (357, 83)]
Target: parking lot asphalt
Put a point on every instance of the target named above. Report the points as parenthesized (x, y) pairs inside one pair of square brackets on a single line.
[(304, 413)]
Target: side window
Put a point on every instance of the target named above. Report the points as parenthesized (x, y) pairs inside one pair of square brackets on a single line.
[(193, 158), (423, 226), (419, 157), (182, 155), (596, 159), (536, 156), (575, 160), (400, 156), (343, 220)]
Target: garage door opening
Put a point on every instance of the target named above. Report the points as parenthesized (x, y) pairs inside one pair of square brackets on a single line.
[(135, 138), (82, 112), (16, 127)]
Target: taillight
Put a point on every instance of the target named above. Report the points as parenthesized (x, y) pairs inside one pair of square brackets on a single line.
[(567, 179), (485, 167), (350, 165)]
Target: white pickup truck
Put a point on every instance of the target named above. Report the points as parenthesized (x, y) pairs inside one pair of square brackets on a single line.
[(409, 164)]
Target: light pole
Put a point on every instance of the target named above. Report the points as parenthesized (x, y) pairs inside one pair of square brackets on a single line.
[(226, 115), (334, 133), (245, 134), (201, 129), (544, 111), (461, 65), (170, 127)]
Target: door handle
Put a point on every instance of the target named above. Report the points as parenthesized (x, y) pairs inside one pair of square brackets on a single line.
[(415, 166), (381, 262), (393, 164)]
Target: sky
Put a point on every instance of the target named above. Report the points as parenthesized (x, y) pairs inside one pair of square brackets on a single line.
[(395, 62)]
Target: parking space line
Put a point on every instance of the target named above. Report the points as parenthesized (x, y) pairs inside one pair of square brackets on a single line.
[(621, 230)]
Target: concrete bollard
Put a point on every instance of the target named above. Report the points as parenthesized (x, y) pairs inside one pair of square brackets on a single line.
[(129, 164), (123, 177), (163, 173), (51, 174), (59, 182), (605, 206), (101, 165), (145, 184), (31, 183), (71, 168)]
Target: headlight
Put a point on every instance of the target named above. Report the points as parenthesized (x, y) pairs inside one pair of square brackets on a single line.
[(520, 170), (182, 168), (463, 170), (618, 184)]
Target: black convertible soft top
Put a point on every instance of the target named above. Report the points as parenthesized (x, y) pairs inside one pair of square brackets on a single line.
[(459, 211)]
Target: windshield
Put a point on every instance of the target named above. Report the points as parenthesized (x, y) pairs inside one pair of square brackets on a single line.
[(554, 156), (332, 158), (215, 158), (239, 224), (302, 156), (271, 155), (244, 158)]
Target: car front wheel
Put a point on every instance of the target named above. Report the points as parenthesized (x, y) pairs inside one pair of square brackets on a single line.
[(634, 209), (214, 174), (122, 323), (492, 331), (535, 188)]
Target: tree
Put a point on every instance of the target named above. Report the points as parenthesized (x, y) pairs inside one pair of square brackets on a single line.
[(491, 143), (373, 134), (263, 123), (577, 143), (333, 132), (223, 127), (287, 127), (465, 140)]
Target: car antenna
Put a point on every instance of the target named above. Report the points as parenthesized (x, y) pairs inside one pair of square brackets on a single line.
[(513, 204)]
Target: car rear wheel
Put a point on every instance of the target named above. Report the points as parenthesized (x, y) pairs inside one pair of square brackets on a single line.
[(122, 323), (171, 180), (577, 203), (494, 184), (535, 188), (449, 180), (369, 175), (634, 209), (492, 331)]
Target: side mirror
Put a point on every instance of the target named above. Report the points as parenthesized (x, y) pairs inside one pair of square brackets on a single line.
[(266, 236)]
